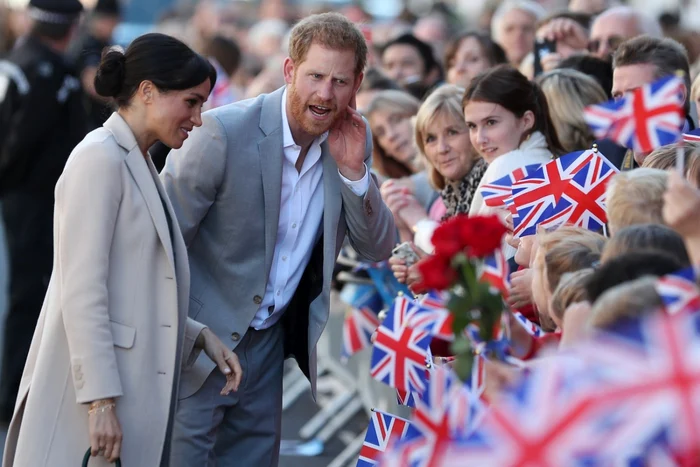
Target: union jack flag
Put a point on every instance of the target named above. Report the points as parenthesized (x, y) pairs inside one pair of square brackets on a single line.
[(497, 192), (431, 313), (679, 292), (652, 372), (406, 398), (444, 412), (362, 320), (496, 272), (693, 136), (531, 328), (643, 120), (384, 430), (546, 421), (357, 330), (400, 351), (567, 190)]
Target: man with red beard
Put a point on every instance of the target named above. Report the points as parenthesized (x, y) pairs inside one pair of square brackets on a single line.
[(265, 192)]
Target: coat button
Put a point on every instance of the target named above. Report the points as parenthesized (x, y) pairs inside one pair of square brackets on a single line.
[(257, 299), (235, 336)]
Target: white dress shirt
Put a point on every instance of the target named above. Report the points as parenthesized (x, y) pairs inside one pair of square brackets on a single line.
[(299, 226)]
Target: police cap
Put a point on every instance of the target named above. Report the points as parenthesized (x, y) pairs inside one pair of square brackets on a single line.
[(55, 11)]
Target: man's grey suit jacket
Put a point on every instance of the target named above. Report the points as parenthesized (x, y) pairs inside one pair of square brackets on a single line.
[(225, 186)]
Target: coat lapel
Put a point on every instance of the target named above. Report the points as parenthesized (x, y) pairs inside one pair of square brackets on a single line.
[(138, 167), (331, 210), (139, 171), (271, 154)]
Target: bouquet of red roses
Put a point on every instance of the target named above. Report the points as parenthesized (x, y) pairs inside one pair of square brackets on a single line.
[(461, 243)]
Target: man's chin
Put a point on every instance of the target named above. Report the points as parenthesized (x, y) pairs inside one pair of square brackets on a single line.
[(316, 128)]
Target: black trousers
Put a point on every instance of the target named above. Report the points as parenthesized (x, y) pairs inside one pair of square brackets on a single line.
[(28, 220)]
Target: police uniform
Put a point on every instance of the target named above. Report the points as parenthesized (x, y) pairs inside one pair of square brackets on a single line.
[(86, 52), (41, 120)]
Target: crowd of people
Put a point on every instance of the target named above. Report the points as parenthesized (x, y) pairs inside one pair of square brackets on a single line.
[(178, 206)]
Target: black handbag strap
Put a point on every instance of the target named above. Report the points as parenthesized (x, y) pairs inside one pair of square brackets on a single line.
[(86, 459)]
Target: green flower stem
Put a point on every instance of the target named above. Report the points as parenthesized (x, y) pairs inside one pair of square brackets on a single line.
[(477, 297)]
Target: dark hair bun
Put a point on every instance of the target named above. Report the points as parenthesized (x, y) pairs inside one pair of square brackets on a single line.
[(109, 79)]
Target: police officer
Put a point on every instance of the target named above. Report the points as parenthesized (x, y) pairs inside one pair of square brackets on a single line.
[(41, 120), (86, 51)]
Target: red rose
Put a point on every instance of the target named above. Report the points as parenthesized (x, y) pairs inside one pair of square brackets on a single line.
[(482, 235), (447, 239), (436, 272)]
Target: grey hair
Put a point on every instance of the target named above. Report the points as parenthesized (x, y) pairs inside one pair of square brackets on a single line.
[(646, 25), (528, 6)]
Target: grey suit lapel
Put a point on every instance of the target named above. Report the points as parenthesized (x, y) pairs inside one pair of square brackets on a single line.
[(331, 209), (139, 171), (271, 153)]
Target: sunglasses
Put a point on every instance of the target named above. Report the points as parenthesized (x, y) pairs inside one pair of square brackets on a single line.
[(613, 42)]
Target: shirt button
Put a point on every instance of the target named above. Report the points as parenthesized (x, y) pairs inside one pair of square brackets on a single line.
[(235, 336), (279, 292), (284, 258), (294, 225), (257, 299)]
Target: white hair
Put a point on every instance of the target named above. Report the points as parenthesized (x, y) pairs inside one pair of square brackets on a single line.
[(267, 27), (528, 6), (646, 25)]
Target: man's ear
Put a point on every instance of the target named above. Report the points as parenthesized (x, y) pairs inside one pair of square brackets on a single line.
[(358, 82), (288, 68)]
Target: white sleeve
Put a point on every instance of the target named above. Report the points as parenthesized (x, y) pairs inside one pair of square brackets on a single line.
[(424, 233)]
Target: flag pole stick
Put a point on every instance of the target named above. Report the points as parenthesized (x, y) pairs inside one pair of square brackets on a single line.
[(680, 159), (680, 150)]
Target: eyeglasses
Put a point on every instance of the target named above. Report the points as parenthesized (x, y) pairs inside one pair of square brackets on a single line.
[(613, 42)]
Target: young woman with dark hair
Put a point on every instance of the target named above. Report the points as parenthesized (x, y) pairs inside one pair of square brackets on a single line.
[(509, 124), (113, 334)]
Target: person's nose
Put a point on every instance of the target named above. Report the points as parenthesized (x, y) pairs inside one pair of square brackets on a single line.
[(481, 136), (443, 145), (197, 117), (391, 133), (325, 91)]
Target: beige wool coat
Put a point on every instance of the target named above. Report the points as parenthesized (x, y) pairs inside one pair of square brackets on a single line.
[(114, 321)]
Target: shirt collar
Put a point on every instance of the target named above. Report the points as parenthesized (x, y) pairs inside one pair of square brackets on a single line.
[(287, 138)]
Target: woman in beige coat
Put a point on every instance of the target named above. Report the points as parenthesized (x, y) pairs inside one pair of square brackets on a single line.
[(113, 334)]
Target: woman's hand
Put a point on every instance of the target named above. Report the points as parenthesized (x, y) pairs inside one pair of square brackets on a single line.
[(395, 195), (520, 289), (104, 429), (414, 278), (225, 359), (399, 268)]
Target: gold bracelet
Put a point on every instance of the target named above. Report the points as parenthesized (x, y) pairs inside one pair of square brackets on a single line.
[(101, 402), (101, 408)]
